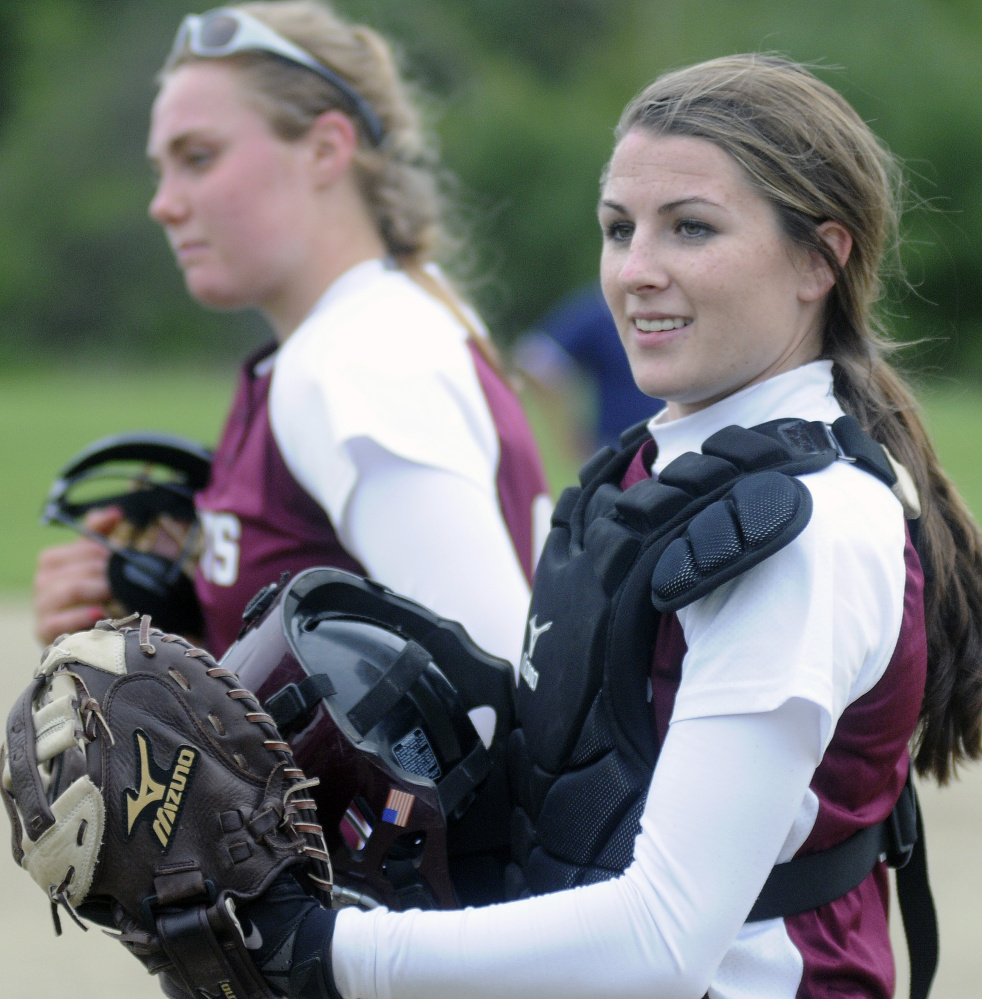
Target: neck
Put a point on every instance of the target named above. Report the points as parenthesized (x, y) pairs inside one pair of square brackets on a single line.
[(287, 312), (341, 236), (804, 349)]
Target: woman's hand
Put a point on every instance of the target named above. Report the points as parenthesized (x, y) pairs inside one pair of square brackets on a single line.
[(71, 588)]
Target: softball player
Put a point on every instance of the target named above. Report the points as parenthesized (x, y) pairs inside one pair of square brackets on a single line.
[(377, 434), (746, 210)]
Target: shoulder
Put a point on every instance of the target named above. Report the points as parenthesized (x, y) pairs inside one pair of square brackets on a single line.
[(384, 342), (849, 555), (851, 519), (819, 619), (856, 512), (384, 361), (388, 324), (855, 545)]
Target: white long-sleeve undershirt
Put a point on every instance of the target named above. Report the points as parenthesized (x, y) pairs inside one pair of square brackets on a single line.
[(437, 538), (709, 836)]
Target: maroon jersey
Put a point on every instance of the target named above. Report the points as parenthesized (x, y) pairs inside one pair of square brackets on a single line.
[(259, 522), (845, 945), (520, 476)]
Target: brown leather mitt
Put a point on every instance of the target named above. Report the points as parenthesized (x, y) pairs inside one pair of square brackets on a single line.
[(149, 793)]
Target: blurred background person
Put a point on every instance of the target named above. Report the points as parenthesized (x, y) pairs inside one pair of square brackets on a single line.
[(573, 361), (376, 432)]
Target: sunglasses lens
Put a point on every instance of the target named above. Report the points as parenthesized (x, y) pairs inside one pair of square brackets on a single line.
[(217, 31)]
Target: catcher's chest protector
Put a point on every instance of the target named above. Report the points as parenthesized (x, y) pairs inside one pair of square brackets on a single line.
[(582, 757)]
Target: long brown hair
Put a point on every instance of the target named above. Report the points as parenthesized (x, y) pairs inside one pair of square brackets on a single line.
[(807, 151)]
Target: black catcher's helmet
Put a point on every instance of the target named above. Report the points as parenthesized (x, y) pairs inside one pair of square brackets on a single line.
[(373, 693), (152, 478)]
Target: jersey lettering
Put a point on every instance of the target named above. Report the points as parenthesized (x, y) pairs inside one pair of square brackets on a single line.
[(220, 559)]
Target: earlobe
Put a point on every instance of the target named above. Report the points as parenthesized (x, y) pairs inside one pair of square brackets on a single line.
[(820, 278)]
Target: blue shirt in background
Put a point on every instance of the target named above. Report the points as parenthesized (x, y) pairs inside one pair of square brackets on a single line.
[(582, 327)]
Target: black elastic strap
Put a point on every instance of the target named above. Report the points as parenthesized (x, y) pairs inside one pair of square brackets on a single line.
[(816, 879), (311, 974), (207, 952), (808, 882), (296, 700), (800, 438), (464, 777), (819, 878), (855, 443), (919, 915), (390, 688)]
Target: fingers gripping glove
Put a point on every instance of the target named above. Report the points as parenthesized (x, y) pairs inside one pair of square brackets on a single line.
[(151, 794)]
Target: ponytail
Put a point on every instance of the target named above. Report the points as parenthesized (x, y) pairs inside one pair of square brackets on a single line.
[(950, 548)]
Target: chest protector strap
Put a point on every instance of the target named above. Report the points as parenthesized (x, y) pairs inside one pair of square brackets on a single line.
[(583, 755)]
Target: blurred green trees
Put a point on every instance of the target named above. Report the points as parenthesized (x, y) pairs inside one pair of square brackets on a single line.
[(525, 94)]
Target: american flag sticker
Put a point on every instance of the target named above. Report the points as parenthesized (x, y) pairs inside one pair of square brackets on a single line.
[(398, 805)]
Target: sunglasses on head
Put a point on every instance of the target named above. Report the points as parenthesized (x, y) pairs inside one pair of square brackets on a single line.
[(223, 32)]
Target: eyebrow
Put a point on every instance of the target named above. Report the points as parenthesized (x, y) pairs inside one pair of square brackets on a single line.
[(665, 209), (175, 145)]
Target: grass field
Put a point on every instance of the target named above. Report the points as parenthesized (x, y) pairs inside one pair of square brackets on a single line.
[(45, 418)]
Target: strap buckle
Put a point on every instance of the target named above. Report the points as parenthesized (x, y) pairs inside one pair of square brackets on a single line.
[(286, 705), (296, 700), (839, 450), (901, 828)]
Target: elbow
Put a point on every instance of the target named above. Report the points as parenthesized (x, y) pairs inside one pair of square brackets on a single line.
[(688, 984), (682, 949), (688, 977)]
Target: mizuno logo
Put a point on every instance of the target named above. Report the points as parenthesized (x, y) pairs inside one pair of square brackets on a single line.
[(528, 672), (149, 792), (155, 785), (534, 631), (227, 992)]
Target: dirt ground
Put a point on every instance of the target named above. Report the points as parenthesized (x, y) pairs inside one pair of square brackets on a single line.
[(36, 965)]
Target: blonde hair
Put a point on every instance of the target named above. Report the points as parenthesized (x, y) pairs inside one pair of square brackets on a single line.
[(399, 178), (809, 154)]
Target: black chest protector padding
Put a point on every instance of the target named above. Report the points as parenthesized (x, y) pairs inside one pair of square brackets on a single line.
[(581, 759), (758, 516)]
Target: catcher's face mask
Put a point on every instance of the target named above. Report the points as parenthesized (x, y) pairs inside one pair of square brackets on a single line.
[(359, 682), (223, 32), (152, 478)]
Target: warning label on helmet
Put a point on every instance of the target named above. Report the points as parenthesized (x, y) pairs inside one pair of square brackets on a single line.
[(415, 754)]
